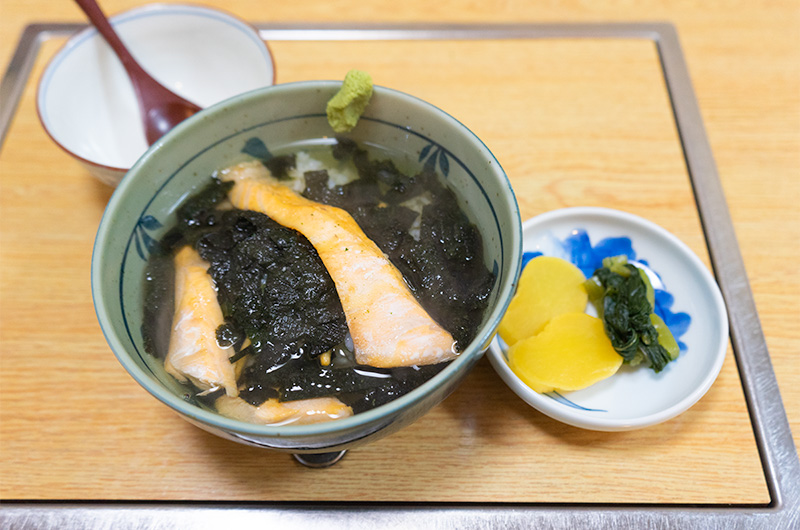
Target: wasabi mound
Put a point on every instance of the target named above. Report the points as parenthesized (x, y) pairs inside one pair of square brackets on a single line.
[(346, 107)]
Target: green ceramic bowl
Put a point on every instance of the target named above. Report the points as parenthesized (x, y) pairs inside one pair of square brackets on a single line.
[(284, 116)]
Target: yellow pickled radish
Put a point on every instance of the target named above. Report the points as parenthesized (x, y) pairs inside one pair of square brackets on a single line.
[(571, 352), (548, 287)]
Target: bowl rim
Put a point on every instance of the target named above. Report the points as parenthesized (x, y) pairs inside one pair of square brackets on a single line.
[(90, 32), (578, 418), (470, 354)]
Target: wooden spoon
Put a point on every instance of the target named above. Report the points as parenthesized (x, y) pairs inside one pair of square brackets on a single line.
[(161, 108)]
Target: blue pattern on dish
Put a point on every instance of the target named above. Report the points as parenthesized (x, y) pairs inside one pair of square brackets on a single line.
[(256, 148), (438, 155), (145, 242), (561, 399)]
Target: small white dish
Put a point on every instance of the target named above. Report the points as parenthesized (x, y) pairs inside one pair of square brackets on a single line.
[(635, 397), (87, 104)]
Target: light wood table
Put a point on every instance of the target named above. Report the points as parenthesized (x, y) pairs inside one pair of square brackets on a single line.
[(573, 122)]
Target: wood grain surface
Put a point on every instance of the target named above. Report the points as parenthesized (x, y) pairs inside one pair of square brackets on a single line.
[(573, 122)]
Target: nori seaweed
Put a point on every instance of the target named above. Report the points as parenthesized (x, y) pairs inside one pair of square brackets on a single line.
[(266, 274)]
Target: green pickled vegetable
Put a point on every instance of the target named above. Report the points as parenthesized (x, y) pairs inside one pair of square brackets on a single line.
[(625, 300), (650, 292), (665, 337)]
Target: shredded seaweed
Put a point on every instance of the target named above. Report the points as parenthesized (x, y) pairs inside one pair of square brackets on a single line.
[(279, 166), (280, 306), (266, 274)]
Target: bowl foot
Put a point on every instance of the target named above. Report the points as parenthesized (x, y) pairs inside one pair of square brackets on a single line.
[(318, 460)]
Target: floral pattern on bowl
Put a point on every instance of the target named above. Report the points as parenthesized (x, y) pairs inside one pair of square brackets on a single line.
[(687, 299)]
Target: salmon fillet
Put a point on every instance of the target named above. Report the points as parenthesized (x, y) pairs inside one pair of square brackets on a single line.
[(388, 326), (273, 412), (193, 352)]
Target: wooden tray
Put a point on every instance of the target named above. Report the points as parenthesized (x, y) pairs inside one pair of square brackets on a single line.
[(590, 115)]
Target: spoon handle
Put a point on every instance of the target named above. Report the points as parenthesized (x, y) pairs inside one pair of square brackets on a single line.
[(161, 108), (99, 20)]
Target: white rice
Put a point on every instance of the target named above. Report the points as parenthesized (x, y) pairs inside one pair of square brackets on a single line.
[(344, 174), (305, 162), (417, 204)]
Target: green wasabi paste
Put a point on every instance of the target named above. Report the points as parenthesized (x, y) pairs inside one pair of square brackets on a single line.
[(346, 107)]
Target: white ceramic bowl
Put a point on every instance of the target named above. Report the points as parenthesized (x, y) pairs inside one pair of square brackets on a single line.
[(87, 104), (686, 292)]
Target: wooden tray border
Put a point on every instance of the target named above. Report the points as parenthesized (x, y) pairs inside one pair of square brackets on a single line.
[(767, 414)]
